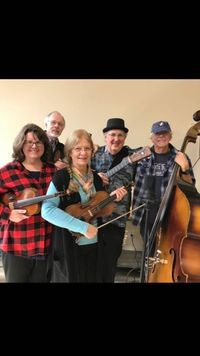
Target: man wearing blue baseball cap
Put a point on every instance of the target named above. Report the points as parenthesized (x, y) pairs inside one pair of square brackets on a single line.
[(153, 173), (161, 126)]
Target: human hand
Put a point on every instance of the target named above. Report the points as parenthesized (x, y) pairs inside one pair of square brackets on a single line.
[(91, 231), (120, 193), (182, 161), (104, 178), (60, 164), (17, 215)]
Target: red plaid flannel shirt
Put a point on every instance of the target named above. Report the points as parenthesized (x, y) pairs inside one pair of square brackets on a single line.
[(32, 236)]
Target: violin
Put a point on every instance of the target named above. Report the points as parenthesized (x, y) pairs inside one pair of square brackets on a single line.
[(98, 206), (28, 199)]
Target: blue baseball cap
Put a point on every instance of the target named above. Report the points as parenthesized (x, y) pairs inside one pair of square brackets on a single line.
[(160, 126)]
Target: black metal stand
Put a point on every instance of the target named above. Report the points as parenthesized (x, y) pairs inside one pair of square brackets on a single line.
[(149, 201), (145, 253)]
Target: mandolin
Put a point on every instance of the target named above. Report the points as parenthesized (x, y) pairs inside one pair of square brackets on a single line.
[(136, 156)]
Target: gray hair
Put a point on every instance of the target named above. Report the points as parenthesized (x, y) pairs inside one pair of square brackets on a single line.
[(46, 120)]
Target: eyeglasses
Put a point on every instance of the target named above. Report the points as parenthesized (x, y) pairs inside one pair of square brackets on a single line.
[(53, 122), (85, 149), (113, 135), (31, 143)]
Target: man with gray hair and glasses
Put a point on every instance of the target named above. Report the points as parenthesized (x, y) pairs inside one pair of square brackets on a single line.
[(111, 236), (54, 125)]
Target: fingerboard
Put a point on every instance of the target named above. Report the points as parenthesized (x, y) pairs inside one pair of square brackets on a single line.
[(137, 156), (122, 164)]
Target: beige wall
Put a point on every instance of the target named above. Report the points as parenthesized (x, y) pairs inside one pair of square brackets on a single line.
[(89, 103)]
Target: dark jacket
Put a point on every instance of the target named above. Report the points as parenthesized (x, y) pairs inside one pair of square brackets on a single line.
[(63, 242), (57, 153)]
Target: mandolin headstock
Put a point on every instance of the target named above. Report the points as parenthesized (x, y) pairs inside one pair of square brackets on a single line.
[(143, 153)]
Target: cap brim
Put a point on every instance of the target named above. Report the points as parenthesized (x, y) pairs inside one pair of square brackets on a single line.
[(158, 131)]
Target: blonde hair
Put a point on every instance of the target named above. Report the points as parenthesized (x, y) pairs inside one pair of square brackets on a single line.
[(70, 143), (74, 139)]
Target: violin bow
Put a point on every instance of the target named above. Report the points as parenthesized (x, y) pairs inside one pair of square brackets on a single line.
[(120, 216), (78, 234)]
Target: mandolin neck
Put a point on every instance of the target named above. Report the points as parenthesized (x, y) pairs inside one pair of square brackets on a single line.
[(122, 164)]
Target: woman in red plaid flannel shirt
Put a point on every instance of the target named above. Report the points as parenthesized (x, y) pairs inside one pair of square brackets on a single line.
[(25, 241)]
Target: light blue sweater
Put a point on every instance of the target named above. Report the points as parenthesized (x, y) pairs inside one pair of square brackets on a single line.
[(59, 217)]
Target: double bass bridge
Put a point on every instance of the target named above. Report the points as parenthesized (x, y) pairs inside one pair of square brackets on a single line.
[(152, 261)]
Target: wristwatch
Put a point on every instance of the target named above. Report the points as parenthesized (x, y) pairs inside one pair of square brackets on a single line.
[(185, 172)]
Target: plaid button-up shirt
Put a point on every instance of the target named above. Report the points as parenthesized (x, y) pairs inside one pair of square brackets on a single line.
[(145, 167), (32, 236), (102, 162)]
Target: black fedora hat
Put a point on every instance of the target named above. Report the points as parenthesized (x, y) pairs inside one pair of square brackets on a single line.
[(115, 124)]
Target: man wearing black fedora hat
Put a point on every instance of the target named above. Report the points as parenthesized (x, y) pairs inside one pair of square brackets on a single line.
[(115, 123), (106, 157)]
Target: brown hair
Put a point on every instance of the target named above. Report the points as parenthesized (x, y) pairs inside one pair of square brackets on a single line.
[(19, 141)]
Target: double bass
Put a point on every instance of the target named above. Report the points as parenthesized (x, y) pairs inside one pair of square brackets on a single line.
[(176, 229)]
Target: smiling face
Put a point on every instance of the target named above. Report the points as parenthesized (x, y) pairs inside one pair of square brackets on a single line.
[(54, 125), (115, 140), (81, 154), (33, 148), (161, 141)]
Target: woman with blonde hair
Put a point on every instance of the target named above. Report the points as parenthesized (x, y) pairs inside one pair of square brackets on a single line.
[(81, 184)]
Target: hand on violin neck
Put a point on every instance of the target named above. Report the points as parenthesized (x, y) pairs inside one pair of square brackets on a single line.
[(91, 231), (120, 193), (17, 215)]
